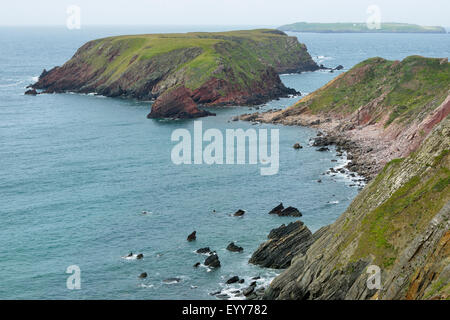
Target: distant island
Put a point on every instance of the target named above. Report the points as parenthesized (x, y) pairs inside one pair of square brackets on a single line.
[(183, 71), (349, 27)]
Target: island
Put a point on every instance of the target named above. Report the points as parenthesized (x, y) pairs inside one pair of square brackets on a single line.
[(350, 27), (182, 72), (392, 119)]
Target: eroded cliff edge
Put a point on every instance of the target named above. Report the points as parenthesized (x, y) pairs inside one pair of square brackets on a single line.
[(184, 71)]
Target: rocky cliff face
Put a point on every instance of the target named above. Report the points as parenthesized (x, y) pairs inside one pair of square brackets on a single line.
[(379, 110), (399, 222), (229, 68)]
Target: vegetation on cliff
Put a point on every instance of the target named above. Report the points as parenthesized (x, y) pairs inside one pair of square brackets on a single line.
[(360, 28), (404, 89), (228, 68)]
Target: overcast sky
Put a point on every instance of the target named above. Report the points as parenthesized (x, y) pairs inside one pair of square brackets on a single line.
[(221, 12)]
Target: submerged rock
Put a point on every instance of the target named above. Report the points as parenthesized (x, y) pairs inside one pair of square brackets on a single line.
[(239, 213), (143, 275), (284, 243), (204, 250)]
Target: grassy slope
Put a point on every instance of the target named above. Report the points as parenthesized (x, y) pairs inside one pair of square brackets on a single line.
[(242, 51), (411, 86), (360, 27)]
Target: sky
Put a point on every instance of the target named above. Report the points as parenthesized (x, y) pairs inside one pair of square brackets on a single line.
[(221, 12)]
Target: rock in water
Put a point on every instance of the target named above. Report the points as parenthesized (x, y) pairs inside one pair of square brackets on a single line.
[(234, 248), (239, 213), (233, 280), (31, 92), (248, 291), (140, 256), (284, 243), (204, 250), (213, 261), (143, 275), (297, 146), (277, 209), (290, 212), (192, 236), (172, 280)]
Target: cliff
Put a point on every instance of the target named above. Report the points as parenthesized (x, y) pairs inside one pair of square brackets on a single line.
[(379, 110), (399, 222), (350, 27), (204, 69)]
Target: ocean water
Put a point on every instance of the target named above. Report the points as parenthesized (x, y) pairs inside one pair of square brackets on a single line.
[(76, 171)]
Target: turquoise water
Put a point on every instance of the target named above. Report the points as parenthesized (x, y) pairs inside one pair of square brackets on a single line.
[(77, 171)]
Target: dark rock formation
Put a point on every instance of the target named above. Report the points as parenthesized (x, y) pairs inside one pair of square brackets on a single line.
[(234, 248), (284, 243), (140, 256), (277, 209), (213, 261), (239, 213), (31, 92), (290, 212), (143, 275), (192, 236), (297, 146), (285, 212), (232, 280), (197, 265), (204, 250)]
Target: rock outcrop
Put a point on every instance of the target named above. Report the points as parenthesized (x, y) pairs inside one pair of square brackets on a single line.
[(284, 243), (183, 71)]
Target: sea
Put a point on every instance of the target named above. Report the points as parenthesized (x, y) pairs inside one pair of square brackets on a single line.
[(77, 172)]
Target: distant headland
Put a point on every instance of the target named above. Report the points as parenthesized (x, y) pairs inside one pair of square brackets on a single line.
[(349, 27)]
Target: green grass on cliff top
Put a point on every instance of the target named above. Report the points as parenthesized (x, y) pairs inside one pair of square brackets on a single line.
[(244, 51), (411, 86), (388, 27)]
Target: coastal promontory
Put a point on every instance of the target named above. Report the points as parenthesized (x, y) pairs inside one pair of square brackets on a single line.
[(182, 72)]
